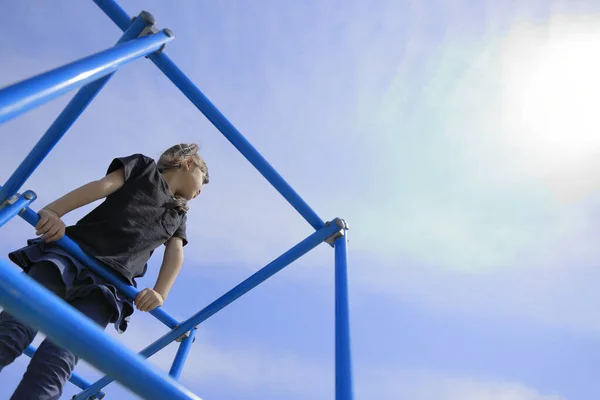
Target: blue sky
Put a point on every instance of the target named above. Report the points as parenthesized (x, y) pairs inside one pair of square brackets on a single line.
[(459, 139)]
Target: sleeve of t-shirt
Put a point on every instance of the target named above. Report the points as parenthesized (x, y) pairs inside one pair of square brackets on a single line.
[(181, 231), (133, 166)]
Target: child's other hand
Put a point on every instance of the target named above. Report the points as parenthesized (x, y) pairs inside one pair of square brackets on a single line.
[(148, 299), (50, 226)]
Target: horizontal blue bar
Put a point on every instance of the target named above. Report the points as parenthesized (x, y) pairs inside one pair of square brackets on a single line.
[(40, 308), (75, 378), (64, 121), (250, 283), (69, 245), (191, 91), (8, 211), (26, 95)]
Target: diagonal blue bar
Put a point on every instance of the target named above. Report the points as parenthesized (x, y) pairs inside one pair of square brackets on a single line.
[(343, 364), (69, 245), (114, 12), (41, 309), (182, 352), (191, 91), (23, 96), (244, 287), (66, 118), (159, 313)]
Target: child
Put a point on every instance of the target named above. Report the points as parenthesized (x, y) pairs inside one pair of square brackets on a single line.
[(145, 206)]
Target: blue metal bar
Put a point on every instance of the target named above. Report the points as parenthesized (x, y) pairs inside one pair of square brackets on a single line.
[(41, 309), (181, 355), (8, 211), (82, 383), (187, 87), (114, 12), (23, 96), (191, 91), (69, 245), (343, 365), (250, 283), (75, 378), (64, 121)]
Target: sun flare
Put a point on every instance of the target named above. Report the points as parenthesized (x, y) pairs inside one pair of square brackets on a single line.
[(552, 94)]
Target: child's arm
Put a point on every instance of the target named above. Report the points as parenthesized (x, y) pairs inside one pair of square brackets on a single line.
[(88, 193), (50, 225), (149, 299)]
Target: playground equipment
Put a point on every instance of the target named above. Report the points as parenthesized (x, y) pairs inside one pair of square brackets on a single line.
[(22, 296)]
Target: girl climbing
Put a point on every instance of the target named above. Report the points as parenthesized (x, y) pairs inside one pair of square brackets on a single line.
[(145, 206)]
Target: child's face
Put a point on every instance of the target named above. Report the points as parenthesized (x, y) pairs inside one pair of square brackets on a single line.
[(192, 178)]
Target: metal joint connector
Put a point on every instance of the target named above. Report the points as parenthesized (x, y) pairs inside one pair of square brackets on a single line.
[(169, 33), (185, 336), (10, 201), (148, 30), (147, 17), (343, 225), (151, 30), (92, 397), (28, 195)]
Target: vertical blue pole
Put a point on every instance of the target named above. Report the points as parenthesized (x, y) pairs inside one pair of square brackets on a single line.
[(182, 353), (66, 118), (343, 365)]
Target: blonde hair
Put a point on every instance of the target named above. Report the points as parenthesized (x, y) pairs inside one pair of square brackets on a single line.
[(175, 157)]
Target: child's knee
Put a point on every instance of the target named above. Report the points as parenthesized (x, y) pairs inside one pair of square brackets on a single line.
[(52, 362), (14, 338), (47, 373)]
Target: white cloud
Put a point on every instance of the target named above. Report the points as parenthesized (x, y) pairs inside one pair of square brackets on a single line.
[(474, 216), (254, 371), (392, 385), (251, 369)]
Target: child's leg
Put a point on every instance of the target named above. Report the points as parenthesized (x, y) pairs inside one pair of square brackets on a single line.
[(51, 366), (16, 336)]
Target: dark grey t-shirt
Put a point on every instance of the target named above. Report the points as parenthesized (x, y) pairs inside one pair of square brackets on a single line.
[(131, 223)]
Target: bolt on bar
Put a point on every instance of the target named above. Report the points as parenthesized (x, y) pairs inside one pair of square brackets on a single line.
[(182, 352), (238, 291), (66, 118), (23, 296), (69, 245), (28, 94), (191, 91), (10, 210), (343, 365)]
